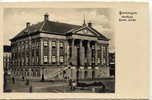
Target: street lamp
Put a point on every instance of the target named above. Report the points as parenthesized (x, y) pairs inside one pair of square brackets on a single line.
[(42, 79)]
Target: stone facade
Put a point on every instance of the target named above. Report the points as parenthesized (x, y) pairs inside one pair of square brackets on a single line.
[(78, 54)]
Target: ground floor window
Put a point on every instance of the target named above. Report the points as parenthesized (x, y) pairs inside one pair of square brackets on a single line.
[(53, 59), (61, 59), (45, 59)]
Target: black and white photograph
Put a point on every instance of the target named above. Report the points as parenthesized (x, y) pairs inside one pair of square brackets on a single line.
[(59, 50)]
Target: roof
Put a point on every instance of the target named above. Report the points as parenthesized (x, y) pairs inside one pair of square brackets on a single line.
[(7, 48), (48, 27), (51, 27)]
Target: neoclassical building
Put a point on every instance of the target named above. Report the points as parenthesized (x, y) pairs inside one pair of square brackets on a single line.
[(56, 51)]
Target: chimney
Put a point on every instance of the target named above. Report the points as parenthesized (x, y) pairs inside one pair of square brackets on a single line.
[(90, 24), (27, 24), (46, 17)]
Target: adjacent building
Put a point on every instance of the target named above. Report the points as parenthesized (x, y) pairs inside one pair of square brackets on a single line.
[(112, 63), (55, 50), (7, 58)]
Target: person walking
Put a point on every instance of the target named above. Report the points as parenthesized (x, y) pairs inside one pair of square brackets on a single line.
[(74, 85), (70, 84), (13, 80)]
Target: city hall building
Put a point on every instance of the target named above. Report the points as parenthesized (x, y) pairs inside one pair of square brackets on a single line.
[(57, 51)]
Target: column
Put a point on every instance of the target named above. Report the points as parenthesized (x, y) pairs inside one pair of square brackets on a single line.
[(81, 54), (96, 54), (73, 52), (30, 41), (50, 51), (66, 50), (89, 54)]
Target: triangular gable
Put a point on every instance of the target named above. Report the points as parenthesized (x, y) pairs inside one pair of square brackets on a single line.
[(84, 31), (88, 31)]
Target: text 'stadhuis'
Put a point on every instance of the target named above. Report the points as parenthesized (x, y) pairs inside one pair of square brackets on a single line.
[(55, 50)]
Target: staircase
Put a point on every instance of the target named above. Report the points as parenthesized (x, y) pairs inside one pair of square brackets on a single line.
[(53, 73)]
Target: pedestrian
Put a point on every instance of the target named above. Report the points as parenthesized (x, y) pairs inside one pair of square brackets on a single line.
[(13, 80), (74, 85), (70, 84), (23, 78), (27, 82), (31, 89)]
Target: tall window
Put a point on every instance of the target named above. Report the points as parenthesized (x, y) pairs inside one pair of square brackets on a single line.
[(45, 51), (61, 44), (93, 46), (53, 44), (61, 59), (45, 59), (54, 51), (103, 55), (61, 48), (53, 59), (99, 56), (45, 43), (98, 60)]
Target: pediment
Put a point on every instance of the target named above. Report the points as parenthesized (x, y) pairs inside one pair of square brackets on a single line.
[(85, 32)]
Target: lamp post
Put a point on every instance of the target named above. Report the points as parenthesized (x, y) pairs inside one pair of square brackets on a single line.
[(42, 79)]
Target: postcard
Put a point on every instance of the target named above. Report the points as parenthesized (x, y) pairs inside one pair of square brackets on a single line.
[(74, 49)]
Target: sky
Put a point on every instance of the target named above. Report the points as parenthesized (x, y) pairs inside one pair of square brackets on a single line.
[(15, 19)]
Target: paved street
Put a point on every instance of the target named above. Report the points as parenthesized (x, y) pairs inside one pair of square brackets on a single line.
[(38, 86)]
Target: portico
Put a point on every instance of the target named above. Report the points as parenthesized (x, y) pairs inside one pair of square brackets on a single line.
[(86, 55)]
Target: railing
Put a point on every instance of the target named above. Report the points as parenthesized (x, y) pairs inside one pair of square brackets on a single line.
[(57, 73)]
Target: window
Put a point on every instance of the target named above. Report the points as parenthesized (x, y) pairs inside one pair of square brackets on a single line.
[(103, 55), (53, 43), (45, 43), (61, 59), (26, 60), (61, 44), (54, 49), (98, 60), (45, 59), (93, 46), (53, 59)]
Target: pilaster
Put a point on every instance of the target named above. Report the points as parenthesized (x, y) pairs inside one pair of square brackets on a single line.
[(96, 53), (41, 50), (50, 51), (58, 52)]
